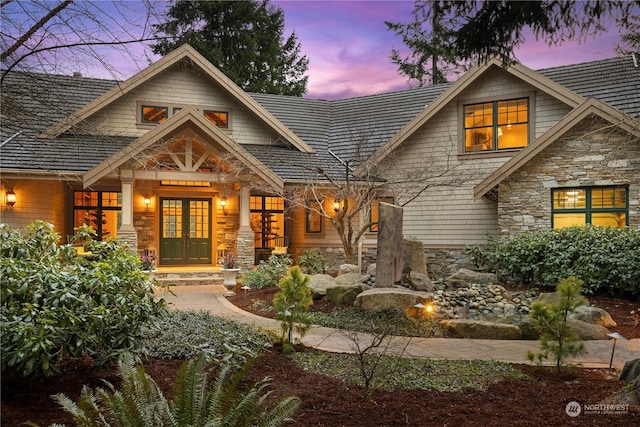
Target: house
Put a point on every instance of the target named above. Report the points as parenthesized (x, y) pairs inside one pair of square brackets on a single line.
[(180, 162)]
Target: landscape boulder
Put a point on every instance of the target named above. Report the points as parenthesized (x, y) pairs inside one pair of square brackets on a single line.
[(351, 279), (630, 371), (465, 277), (481, 329), (348, 268), (400, 298), (344, 295), (594, 315), (587, 331), (319, 284), (413, 257), (371, 270), (419, 282)]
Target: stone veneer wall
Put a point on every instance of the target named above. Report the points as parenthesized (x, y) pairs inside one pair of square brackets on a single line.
[(129, 238), (593, 154), (245, 245)]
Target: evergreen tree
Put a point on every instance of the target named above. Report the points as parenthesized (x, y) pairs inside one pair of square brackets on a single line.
[(479, 30), (244, 39)]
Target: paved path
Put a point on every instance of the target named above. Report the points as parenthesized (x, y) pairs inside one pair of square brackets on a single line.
[(210, 298)]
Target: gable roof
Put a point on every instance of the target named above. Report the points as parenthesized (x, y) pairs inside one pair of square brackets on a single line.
[(329, 127), (184, 52), (591, 106), (187, 116), (531, 77)]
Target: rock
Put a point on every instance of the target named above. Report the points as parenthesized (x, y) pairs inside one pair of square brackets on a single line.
[(594, 315), (344, 295), (380, 298), (413, 256), (351, 279), (630, 371), (419, 282), (465, 277), (528, 328), (319, 284), (480, 329), (371, 270), (348, 268), (587, 331)]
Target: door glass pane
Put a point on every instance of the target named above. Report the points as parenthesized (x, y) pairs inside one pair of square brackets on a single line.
[(199, 219), (171, 219)]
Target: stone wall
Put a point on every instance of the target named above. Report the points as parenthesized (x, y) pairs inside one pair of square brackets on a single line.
[(593, 154)]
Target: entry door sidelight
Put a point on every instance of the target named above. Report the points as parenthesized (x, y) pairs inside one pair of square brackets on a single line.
[(185, 231)]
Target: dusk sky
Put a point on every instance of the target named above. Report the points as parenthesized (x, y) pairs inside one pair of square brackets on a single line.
[(348, 46)]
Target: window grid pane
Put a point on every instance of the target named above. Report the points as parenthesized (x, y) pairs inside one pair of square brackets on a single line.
[(601, 206)]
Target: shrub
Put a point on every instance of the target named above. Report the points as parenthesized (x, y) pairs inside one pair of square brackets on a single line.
[(312, 262), (268, 273), (558, 341), (197, 401), (57, 305), (606, 259)]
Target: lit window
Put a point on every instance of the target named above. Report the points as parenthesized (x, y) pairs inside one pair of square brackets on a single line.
[(375, 211), (99, 209), (218, 118), (154, 114), (603, 206), (498, 125)]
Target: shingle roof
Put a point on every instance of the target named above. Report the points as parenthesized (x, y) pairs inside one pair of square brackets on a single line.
[(348, 129)]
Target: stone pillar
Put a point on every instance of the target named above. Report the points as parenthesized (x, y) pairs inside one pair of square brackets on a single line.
[(245, 240), (127, 233)]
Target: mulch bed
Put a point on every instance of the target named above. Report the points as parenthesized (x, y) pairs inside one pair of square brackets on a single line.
[(326, 401)]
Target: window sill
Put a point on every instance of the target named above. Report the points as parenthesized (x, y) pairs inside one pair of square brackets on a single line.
[(489, 154)]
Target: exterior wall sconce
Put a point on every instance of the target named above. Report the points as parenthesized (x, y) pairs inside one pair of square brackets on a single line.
[(10, 198), (146, 201), (336, 205), (223, 203)]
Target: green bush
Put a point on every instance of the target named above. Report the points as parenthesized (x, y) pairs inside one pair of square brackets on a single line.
[(312, 262), (56, 305), (268, 273), (606, 259)]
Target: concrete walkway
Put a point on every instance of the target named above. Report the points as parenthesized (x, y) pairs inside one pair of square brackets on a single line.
[(210, 298)]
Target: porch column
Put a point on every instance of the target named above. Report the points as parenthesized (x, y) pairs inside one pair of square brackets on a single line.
[(245, 239), (127, 233)]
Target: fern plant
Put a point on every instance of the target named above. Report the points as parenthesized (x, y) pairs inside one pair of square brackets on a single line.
[(558, 341), (292, 303), (197, 402)]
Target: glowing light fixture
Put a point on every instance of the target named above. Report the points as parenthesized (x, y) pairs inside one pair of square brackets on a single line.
[(10, 197), (146, 201)]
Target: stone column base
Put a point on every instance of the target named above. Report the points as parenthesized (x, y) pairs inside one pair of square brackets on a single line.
[(130, 238), (246, 249)]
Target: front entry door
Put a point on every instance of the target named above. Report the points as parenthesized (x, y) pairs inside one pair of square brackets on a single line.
[(185, 231)]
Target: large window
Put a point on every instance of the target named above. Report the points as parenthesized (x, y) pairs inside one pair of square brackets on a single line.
[(267, 220), (498, 125), (603, 206), (99, 209)]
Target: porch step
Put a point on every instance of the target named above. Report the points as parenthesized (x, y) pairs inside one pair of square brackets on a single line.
[(183, 276)]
